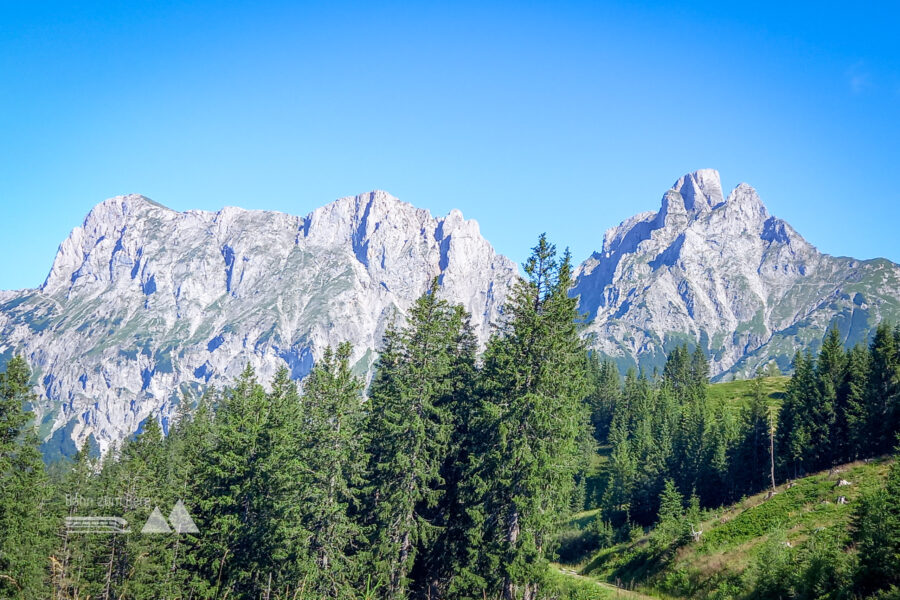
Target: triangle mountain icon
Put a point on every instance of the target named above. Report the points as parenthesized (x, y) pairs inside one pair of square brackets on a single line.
[(181, 521), (156, 523)]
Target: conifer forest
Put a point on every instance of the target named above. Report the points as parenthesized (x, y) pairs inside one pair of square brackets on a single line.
[(528, 469)]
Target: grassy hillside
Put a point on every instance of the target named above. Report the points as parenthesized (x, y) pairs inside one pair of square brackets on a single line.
[(737, 392), (722, 561)]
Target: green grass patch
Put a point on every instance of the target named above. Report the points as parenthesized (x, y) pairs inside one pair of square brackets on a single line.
[(734, 535), (738, 393)]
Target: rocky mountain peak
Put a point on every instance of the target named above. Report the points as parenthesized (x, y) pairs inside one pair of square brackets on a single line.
[(744, 203), (724, 274), (144, 303), (103, 224), (694, 193)]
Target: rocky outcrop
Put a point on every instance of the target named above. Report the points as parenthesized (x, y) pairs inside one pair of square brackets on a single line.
[(725, 274), (144, 304)]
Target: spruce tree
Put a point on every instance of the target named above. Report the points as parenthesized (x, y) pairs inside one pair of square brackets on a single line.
[(69, 560), (753, 461), (883, 387), (796, 429), (699, 372), (247, 490), (409, 433), (532, 419), (25, 527), (853, 391), (622, 463), (134, 565), (830, 432), (685, 376), (670, 528), (440, 561), (333, 455), (604, 393)]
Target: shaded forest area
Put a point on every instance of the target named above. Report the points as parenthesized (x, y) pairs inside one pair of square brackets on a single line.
[(450, 476)]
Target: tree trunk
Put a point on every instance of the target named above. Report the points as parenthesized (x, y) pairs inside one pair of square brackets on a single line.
[(530, 591), (512, 536), (772, 457), (398, 572), (109, 567)]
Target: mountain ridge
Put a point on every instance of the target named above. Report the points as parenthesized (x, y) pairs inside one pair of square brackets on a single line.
[(705, 265), (144, 304)]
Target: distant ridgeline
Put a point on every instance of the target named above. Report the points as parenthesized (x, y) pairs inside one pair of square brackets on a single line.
[(144, 305), (452, 477)]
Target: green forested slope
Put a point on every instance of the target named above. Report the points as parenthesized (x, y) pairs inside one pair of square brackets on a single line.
[(737, 541)]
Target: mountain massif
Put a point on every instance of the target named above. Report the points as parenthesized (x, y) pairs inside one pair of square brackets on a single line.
[(720, 271), (144, 304)]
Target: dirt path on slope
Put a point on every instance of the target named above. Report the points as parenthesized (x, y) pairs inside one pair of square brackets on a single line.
[(616, 592)]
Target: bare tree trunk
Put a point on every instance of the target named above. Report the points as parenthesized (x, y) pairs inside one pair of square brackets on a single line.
[(404, 555), (221, 569), (512, 536), (62, 578), (509, 590), (109, 567), (530, 591), (772, 456)]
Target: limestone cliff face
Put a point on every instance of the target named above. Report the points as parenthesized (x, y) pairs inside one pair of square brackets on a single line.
[(144, 304), (724, 273)]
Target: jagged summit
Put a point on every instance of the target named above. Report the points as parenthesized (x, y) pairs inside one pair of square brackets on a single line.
[(144, 303), (724, 274), (103, 231), (695, 192)]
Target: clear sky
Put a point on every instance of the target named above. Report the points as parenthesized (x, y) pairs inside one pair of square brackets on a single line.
[(529, 117)]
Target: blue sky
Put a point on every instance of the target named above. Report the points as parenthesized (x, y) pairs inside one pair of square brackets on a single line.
[(529, 117)]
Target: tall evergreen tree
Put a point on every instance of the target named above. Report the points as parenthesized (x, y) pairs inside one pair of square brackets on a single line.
[(796, 430), (699, 371), (752, 464), (332, 453), (531, 423), (853, 392), (830, 430), (605, 389), (248, 491), (670, 528), (410, 430), (69, 561), (623, 463), (132, 566), (440, 561), (25, 527), (686, 376), (882, 387)]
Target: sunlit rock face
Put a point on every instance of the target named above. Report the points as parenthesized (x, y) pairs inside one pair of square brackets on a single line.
[(144, 304), (722, 273)]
